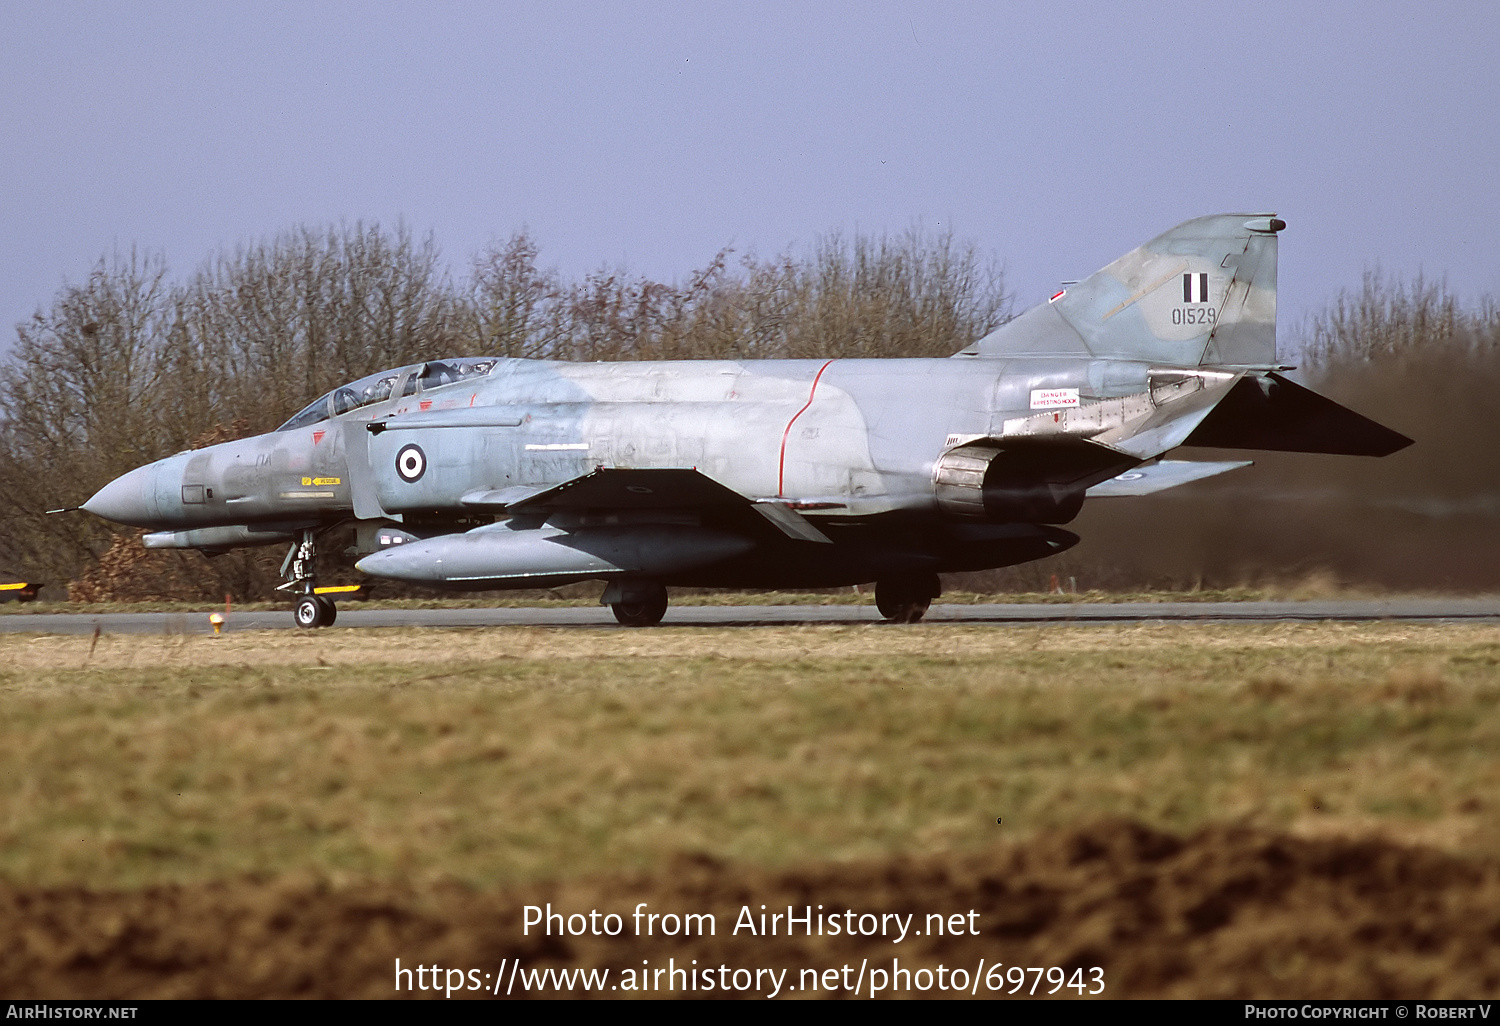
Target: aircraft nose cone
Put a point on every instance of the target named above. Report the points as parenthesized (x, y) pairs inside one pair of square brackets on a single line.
[(128, 499)]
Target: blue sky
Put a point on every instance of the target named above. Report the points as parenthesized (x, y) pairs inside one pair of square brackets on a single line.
[(1054, 136)]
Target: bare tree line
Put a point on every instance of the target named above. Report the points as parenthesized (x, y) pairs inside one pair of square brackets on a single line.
[(130, 365), (913, 295), (1393, 320)]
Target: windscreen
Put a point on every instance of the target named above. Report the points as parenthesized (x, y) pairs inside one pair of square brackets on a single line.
[(373, 388), (311, 413), (380, 386)]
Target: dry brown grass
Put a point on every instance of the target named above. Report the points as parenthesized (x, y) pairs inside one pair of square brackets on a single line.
[(518, 754), (1227, 912)]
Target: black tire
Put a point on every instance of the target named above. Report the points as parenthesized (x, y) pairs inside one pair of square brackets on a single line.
[(644, 609), (330, 611), (906, 599), (308, 612), (906, 612)]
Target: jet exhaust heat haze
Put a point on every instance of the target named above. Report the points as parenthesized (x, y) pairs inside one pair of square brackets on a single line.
[(510, 473)]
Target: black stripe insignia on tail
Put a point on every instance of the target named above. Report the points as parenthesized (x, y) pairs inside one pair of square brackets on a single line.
[(1195, 288)]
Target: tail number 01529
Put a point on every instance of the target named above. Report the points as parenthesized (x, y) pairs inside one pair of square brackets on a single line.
[(1194, 315)]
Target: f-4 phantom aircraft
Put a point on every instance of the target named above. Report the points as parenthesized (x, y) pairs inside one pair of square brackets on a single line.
[(510, 473)]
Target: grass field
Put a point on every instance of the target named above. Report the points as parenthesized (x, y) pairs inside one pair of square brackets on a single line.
[(1198, 810), (502, 756)]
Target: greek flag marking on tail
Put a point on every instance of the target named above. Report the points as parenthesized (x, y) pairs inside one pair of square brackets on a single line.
[(1132, 309), (1195, 288)]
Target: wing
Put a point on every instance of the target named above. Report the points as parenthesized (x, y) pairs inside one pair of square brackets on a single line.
[(614, 489)]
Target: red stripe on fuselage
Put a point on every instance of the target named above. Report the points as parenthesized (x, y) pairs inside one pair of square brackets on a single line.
[(781, 464)]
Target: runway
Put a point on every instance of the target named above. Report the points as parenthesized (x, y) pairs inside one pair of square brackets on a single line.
[(1415, 610)]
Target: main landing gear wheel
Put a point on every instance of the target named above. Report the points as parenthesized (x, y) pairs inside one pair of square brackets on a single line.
[(643, 607), (315, 611), (906, 599)]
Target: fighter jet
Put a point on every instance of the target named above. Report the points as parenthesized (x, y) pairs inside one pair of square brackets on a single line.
[(511, 473)]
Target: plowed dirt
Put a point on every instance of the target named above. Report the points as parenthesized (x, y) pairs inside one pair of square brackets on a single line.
[(1227, 912)]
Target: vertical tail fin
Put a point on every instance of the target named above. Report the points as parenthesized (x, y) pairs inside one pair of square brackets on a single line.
[(1203, 293)]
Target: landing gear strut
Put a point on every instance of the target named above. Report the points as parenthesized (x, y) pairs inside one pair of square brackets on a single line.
[(300, 568), (905, 599), (636, 603)]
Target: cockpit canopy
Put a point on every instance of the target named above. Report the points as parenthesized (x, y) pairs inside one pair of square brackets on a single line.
[(383, 385)]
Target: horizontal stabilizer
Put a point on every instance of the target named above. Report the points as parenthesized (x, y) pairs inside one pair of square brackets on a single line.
[(1270, 412), (1158, 477)]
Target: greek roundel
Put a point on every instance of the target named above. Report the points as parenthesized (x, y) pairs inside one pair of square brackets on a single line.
[(411, 463)]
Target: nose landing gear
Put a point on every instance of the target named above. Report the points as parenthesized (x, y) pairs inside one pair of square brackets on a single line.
[(300, 568)]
